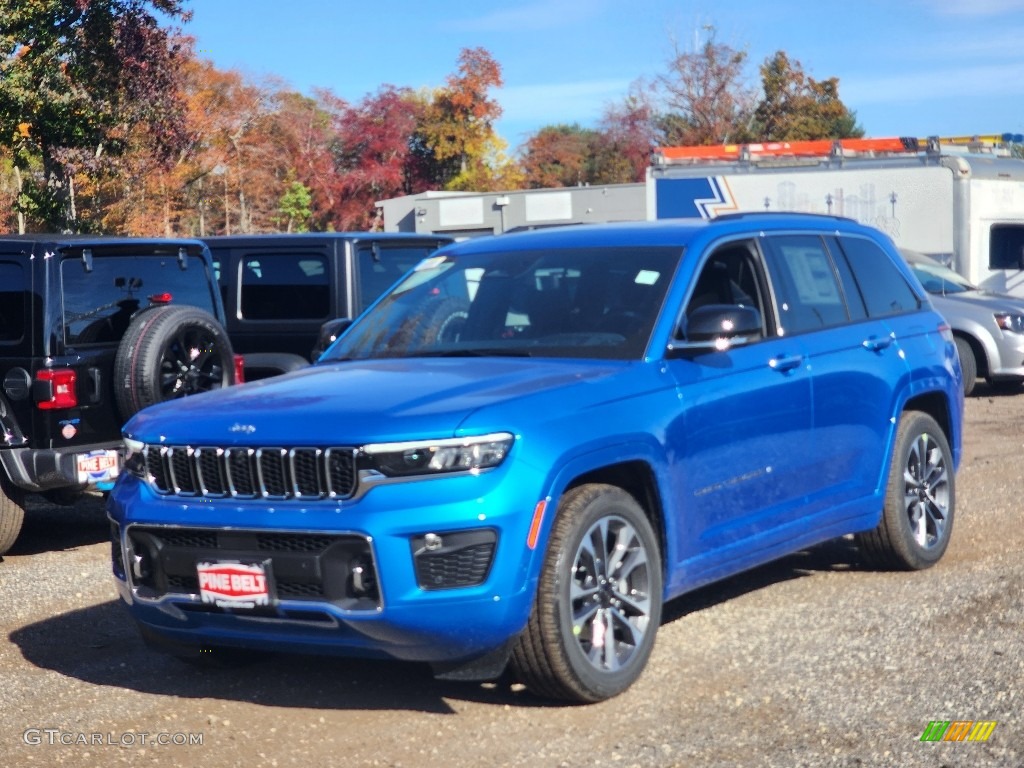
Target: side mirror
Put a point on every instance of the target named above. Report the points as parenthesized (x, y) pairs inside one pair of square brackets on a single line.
[(329, 333), (719, 326)]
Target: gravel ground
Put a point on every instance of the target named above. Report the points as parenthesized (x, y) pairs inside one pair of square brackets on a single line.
[(812, 661)]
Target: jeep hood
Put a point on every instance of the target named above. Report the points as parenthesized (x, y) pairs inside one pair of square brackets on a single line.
[(353, 403)]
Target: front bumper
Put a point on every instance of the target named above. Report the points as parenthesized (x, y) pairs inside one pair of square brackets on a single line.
[(1007, 364), (435, 571)]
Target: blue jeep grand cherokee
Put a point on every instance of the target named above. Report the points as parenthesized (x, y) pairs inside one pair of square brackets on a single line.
[(534, 440)]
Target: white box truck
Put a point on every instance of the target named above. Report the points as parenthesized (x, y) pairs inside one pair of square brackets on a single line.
[(960, 200)]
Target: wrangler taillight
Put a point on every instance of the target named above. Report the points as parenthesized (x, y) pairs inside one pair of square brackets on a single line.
[(58, 388), (239, 369)]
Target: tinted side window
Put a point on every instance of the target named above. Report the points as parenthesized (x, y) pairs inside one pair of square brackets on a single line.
[(381, 267), (1006, 247), (854, 299), (884, 288), (13, 290), (809, 293), (98, 305), (285, 286)]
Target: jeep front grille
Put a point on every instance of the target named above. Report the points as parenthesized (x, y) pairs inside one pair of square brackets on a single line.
[(251, 473)]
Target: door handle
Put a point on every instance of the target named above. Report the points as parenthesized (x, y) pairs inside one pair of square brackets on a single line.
[(785, 363), (878, 343)]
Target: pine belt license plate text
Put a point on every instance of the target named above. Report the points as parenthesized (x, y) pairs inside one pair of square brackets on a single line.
[(97, 466), (233, 585)]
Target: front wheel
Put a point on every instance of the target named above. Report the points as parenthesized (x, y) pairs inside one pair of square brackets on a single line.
[(598, 602), (917, 520)]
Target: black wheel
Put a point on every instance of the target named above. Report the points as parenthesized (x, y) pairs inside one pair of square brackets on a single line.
[(598, 603), (920, 499), (968, 364), (12, 514), (170, 352)]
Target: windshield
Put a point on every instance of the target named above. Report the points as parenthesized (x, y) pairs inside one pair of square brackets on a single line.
[(595, 303), (939, 279)]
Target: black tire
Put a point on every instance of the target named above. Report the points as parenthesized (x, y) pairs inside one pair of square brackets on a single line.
[(443, 322), (12, 514), (170, 352), (920, 499), (559, 655), (968, 364)]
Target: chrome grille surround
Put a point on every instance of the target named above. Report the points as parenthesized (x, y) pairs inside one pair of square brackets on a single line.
[(268, 472)]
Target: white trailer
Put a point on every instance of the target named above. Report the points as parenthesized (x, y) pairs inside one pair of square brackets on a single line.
[(957, 200)]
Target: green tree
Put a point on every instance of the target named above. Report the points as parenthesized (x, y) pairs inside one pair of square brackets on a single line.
[(795, 106), (295, 208), (77, 78)]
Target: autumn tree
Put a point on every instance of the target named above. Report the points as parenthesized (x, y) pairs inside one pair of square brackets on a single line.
[(705, 95), (795, 106), (456, 137), (372, 154), (77, 78), (628, 135), (559, 156)]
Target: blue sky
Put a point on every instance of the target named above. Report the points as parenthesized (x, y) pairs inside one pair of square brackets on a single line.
[(907, 68)]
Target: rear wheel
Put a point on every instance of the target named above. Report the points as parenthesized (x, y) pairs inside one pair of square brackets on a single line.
[(598, 603), (12, 514), (968, 364), (917, 520)]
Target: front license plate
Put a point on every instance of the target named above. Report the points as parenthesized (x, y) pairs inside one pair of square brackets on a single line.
[(97, 466), (234, 585)]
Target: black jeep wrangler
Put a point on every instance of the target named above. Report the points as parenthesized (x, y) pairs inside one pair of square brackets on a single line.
[(91, 331), (278, 290)]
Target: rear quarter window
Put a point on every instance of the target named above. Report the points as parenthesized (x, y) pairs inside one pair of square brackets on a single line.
[(882, 285), (285, 286), (13, 290)]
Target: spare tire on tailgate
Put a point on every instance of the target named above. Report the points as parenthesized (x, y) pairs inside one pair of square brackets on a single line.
[(170, 352)]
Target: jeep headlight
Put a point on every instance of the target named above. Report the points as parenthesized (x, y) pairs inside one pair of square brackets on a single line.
[(431, 457), (1010, 321), (135, 457)]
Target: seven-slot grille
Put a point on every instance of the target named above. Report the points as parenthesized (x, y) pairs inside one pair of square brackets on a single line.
[(251, 473)]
